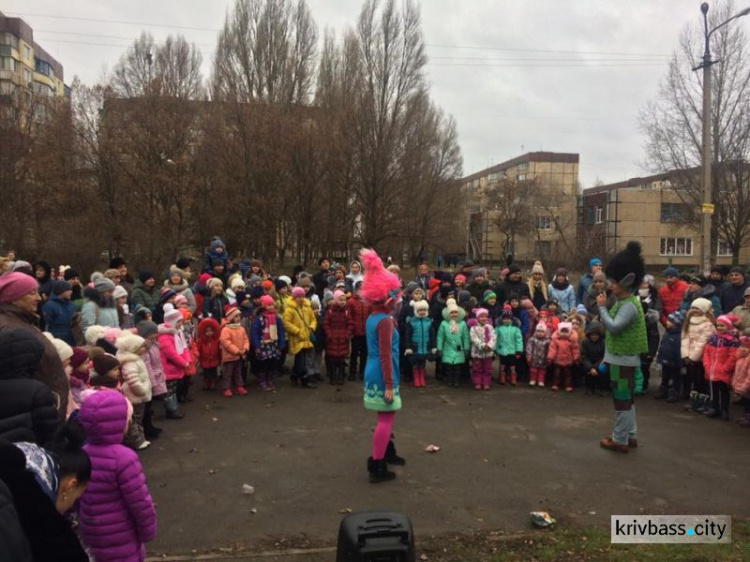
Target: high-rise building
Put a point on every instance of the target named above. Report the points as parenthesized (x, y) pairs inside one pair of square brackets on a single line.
[(26, 69)]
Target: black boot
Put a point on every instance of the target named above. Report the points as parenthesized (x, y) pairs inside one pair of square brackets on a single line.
[(379, 471), (308, 382), (352, 371), (662, 393), (391, 457)]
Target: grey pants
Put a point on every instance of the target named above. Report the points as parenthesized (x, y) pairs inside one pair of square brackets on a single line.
[(625, 426)]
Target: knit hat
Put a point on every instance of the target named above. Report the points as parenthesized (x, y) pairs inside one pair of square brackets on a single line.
[(451, 305), (101, 283), (747, 292), (704, 305), (729, 320), (600, 276), (561, 271), (286, 279), (230, 311), (172, 317), (183, 263), (64, 351), (460, 277), (337, 294), (174, 270), (144, 276), (104, 363), (254, 280), (298, 292), (488, 294), (420, 305), (79, 357), (15, 285), (594, 261), (129, 342), (267, 284), (595, 327), (257, 292), (204, 278), (217, 243), (93, 334), (537, 268), (146, 328), (265, 300), (677, 317), (165, 294), (581, 309), (463, 297), (627, 267), (59, 287), (565, 326), (513, 268), (211, 283), (649, 279), (699, 280), (180, 299), (237, 283), (119, 292), (279, 284), (671, 272), (71, 274), (507, 312), (541, 327), (411, 286), (738, 269), (480, 312)]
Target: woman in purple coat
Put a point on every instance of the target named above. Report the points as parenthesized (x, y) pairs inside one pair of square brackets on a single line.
[(116, 513)]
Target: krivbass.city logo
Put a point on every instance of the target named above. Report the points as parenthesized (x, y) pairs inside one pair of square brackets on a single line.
[(680, 529)]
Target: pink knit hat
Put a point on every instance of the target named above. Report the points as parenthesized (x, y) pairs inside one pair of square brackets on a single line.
[(15, 285), (180, 299), (728, 320), (480, 312), (298, 292), (338, 293), (172, 317), (265, 300)]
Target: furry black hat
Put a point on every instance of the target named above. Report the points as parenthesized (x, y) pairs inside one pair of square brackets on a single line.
[(627, 267)]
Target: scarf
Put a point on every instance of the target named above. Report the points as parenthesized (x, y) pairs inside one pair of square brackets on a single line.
[(270, 331), (43, 467), (487, 329), (453, 326), (180, 344), (561, 286)]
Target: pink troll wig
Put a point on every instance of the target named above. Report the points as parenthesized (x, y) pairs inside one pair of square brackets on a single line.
[(379, 286)]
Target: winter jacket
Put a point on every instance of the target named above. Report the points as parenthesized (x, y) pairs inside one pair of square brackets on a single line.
[(58, 318), (136, 383), (566, 298), (31, 528), (669, 348), (49, 370), (98, 311), (504, 289), (536, 352), (184, 290), (589, 301), (214, 307), (234, 342), (145, 296), (257, 327), (592, 353), (741, 378), (477, 290), (509, 340), (563, 352), (27, 406), (453, 347), (520, 321), (116, 514), (209, 349), (338, 328), (299, 325), (420, 336), (155, 368), (652, 312), (671, 298), (708, 292), (732, 296), (742, 312), (173, 362), (693, 341), (537, 293), (720, 358)]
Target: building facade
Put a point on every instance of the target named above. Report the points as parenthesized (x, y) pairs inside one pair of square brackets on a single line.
[(540, 189), (652, 211), (27, 71)]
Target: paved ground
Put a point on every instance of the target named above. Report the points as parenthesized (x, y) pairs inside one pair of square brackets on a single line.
[(504, 453)]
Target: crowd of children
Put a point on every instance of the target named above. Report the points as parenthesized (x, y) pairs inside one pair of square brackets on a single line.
[(127, 344)]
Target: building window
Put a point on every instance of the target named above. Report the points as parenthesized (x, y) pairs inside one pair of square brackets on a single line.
[(542, 248), (7, 63), (544, 222), (521, 177), (723, 250), (676, 247), (27, 52), (599, 219), (523, 166), (9, 39), (26, 76), (674, 212), (590, 215), (43, 67)]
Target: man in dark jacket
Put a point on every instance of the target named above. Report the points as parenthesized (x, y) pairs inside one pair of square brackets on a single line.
[(732, 293), (513, 283), (59, 312), (27, 407), (320, 279), (595, 265), (18, 303)]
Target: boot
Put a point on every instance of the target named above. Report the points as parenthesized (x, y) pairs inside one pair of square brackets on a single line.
[(378, 470), (725, 415), (502, 377), (692, 406), (673, 396), (352, 375), (744, 421), (712, 413), (661, 394), (308, 382), (174, 415), (513, 378), (704, 404), (391, 457)]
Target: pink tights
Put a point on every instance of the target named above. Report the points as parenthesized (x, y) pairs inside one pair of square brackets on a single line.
[(382, 434)]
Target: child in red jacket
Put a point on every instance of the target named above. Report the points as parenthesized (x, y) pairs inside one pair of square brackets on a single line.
[(719, 359), (359, 310), (337, 325), (562, 355), (209, 351)]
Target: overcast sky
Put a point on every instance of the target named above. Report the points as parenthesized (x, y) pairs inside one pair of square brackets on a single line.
[(518, 75)]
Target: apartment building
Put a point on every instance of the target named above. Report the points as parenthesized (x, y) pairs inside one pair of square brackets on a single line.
[(548, 183)]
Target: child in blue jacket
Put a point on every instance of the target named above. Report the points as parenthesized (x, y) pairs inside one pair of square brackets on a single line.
[(669, 359)]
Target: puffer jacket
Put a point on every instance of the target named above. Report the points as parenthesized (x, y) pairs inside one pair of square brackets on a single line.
[(592, 353), (338, 328), (420, 336), (709, 293), (145, 296), (136, 383), (563, 352), (453, 347), (27, 406), (299, 325), (209, 349), (669, 348), (509, 340), (695, 336), (720, 358), (741, 378), (49, 370), (173, 363), (184, 290), (152, 360), (566, 298), (359, 310), (234, 342), (98, 312), (536, 352), (58, 318), (116, 514), (671, 298)]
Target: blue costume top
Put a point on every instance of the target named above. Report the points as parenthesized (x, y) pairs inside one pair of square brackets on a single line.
[(374, 383)]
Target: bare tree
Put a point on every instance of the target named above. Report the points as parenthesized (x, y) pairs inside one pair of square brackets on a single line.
[(673, 123), (511, 205)]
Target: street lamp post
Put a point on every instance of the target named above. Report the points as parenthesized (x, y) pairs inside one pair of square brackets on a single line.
[(707, 209)]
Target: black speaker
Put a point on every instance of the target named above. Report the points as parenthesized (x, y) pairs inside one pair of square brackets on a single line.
[(375, 536)]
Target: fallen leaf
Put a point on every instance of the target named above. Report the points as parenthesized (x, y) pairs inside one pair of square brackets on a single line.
[(213, 471), (254, 510), (214, 419), (345, 510)]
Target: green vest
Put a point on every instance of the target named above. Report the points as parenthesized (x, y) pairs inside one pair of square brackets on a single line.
[(632, 340)]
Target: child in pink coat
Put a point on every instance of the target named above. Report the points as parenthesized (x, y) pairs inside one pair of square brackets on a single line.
[(562, 355), (175, 356)]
